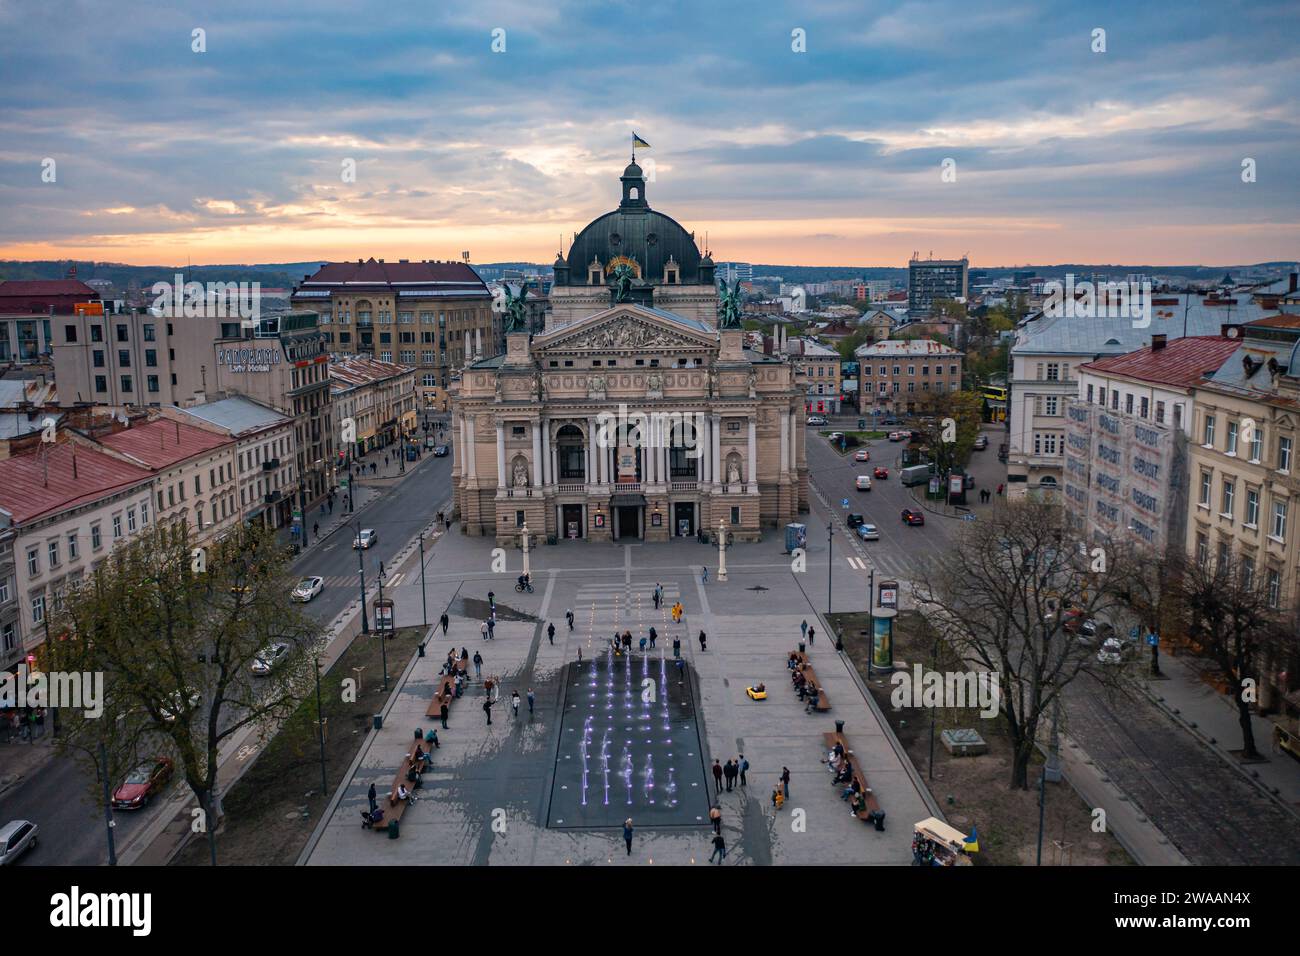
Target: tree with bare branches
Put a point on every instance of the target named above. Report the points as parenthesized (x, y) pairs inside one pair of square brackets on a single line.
[(175, 630), (1005, 597), (1230, 614)]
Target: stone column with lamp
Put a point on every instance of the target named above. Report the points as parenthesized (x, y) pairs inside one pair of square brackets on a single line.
[(722, 550)]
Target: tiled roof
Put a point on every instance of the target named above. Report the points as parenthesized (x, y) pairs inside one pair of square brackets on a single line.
[(1181, 363), (161, 443), (362, 370), (356, 276), (42, 482), (35, 287), (1283, 320)]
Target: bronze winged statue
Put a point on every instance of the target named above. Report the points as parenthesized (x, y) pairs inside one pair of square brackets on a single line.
[(729, 306), (516, 319)]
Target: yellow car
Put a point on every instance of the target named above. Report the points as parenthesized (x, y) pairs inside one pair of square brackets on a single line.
[(757, 693)]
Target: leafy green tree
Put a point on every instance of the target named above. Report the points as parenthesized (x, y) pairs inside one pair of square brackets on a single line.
[(175, 630)]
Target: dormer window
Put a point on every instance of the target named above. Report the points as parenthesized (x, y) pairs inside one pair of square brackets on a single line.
[(594, 276), (671, 272)]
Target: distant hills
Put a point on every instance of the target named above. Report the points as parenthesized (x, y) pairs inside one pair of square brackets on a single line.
[(287, 274)]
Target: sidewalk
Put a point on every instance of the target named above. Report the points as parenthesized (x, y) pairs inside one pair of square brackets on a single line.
[(19, 758), (1211, 717)]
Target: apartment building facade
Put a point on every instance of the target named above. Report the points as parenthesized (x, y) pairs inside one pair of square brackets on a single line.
[(264, 455), (896, 376), (432, 316), (931, 279), (1046, 356), (69, 505), (380, 398), (820, 368), (193, 468)]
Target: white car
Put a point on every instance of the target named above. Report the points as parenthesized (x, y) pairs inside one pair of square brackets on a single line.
[(307, 589), (816, 420), (862, 482), (16, 838), (268, 659), (868, 532), (1112, 651), (173, 707), (365, 539)]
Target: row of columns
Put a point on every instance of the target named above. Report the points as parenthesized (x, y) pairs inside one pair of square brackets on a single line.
[(601, 466)]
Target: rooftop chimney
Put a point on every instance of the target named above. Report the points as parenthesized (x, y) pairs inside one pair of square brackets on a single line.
[(1158, 342)]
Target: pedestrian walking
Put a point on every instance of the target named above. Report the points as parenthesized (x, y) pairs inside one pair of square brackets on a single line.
[(744, 768), (656, 597), (653, 635), (487, 709), (729, 773), (492, 628), (492, 601), (677, 647), (550, 633), (514, 703), (374, 802), (702, 640), (484, 629), (999, 491), (706, 574), (531, 699), (478, 664), (715, 818), (785, 782), (448, 524), (803, 628), (719, 849), (812, 634), (442, 712), (568, 616), (444, 621), (627, 834), (331, 504), (717, 776)]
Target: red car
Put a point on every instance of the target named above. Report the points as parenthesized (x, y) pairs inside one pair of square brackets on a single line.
[(142, 784), (912, 516), (881, 471)]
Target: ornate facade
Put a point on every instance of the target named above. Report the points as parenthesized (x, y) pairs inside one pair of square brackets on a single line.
[(629, 421)]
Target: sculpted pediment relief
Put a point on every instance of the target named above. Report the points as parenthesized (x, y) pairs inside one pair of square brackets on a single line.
[(625, 331)]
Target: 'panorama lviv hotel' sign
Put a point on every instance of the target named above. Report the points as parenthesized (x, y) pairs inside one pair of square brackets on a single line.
[(248, 359)]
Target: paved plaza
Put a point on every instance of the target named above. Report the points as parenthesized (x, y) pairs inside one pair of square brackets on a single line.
[(492, 790)]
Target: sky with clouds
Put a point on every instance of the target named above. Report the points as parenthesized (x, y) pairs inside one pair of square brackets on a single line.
[(831, 156)]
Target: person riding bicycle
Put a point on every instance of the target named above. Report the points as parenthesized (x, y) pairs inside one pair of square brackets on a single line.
[(524, 583)]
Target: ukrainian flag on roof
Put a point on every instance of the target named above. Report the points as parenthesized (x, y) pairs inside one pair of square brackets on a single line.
[(972, 844), (638, 141)]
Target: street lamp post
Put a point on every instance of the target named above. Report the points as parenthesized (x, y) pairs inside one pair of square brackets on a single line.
[(424, 598), (830, 562), (302, 505), (361, 570), (108, 805), (380, 628), (320, 727)]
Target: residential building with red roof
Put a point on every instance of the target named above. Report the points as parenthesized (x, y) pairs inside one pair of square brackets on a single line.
[(378, 398), (194, 469), (68, 505)]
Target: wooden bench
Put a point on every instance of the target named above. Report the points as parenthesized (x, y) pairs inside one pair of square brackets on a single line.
[(394, 808), (810, 675), (445, 693), (872, 804)]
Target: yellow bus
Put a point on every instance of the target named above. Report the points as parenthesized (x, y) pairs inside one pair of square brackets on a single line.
[(995, 397)]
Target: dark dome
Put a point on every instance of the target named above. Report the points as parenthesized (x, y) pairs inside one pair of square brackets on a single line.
[(638, 232)]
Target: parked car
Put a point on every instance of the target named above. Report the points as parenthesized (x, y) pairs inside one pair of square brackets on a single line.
[(891, 421), (855, 520), (982, 442), (862, 455), (881, 471), (142, 784), (913, 516), (868, 532), (365, 539), (173, 706), (862, 482), (269, 658), (1112, 651), (816, 420), (440, 451), (307, 589), (16, 838)]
